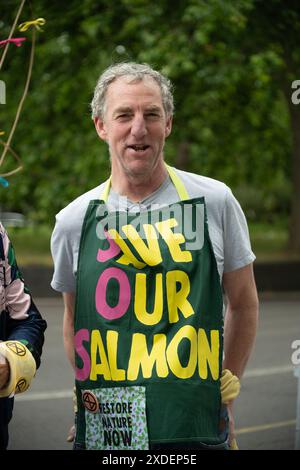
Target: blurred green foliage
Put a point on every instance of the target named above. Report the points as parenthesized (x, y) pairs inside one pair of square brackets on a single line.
[(227, 60), (31, 244)]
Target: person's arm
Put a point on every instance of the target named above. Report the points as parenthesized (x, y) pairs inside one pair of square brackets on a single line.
[(68, 326), (240, 319), (68, 334), (240, 326), (21, 325), (20, 318)]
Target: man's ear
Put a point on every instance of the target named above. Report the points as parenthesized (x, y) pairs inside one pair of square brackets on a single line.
[(100, 128), (168, 128)]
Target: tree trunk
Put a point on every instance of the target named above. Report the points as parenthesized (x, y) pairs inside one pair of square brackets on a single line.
[(182, 156), (292, 73), (294, 228)]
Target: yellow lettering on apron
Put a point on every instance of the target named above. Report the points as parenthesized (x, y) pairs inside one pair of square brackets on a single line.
[(127, 256), (208, 355), (140, 358), (151, 253), (175, 365), (101, 368), (178, 300), (112, 352), (173, 240), (140, 300)]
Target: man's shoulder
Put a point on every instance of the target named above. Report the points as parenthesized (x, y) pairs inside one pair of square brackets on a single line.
[(198, 185), (71, 216)]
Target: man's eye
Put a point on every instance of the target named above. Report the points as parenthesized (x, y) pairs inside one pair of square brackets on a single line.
[(152, 115), (123, 116)]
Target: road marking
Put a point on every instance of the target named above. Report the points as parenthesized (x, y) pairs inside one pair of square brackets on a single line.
[(268, 371), (33, 396), (264, 427), (56, 394)]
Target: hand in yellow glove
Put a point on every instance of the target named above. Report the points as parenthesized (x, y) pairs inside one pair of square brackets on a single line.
[(230, 388), (233, 444), (21, 368)]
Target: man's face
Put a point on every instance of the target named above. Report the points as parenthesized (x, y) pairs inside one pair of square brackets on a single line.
[(134, 125)]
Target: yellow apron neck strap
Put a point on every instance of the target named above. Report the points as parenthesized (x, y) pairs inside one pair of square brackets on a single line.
[(105, 192), (180, 188)]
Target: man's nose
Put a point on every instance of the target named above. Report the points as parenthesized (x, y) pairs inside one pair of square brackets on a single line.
[(138, 127)]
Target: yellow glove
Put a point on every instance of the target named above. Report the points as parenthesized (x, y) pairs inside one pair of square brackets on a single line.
[(230, 386), (233, 445), (22, 367)]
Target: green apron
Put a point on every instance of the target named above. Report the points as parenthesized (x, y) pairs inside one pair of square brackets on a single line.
[(148, 327)]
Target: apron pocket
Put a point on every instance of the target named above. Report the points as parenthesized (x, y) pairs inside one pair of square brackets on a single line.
[(116, 418)]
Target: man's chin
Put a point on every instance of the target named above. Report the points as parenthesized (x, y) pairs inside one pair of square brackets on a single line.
[(139, 169)]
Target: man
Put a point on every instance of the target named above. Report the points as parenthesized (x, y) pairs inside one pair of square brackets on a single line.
[(148, 327), (21, 335)]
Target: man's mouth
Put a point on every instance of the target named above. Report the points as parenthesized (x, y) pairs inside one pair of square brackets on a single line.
[(138, 148)]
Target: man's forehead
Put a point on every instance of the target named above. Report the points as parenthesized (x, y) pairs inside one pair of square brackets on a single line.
[(129, 92), (132, 80), (130, 85)]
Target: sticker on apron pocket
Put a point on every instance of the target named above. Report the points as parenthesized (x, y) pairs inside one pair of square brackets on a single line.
[(120, 420)]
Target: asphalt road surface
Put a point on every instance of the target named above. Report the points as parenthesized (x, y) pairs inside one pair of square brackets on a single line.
[(265, 410)]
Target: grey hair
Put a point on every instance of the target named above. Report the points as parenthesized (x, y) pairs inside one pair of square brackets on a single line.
[(136, 72)]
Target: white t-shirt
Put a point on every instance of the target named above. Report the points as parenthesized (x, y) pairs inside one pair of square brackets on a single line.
[(226, 224)]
